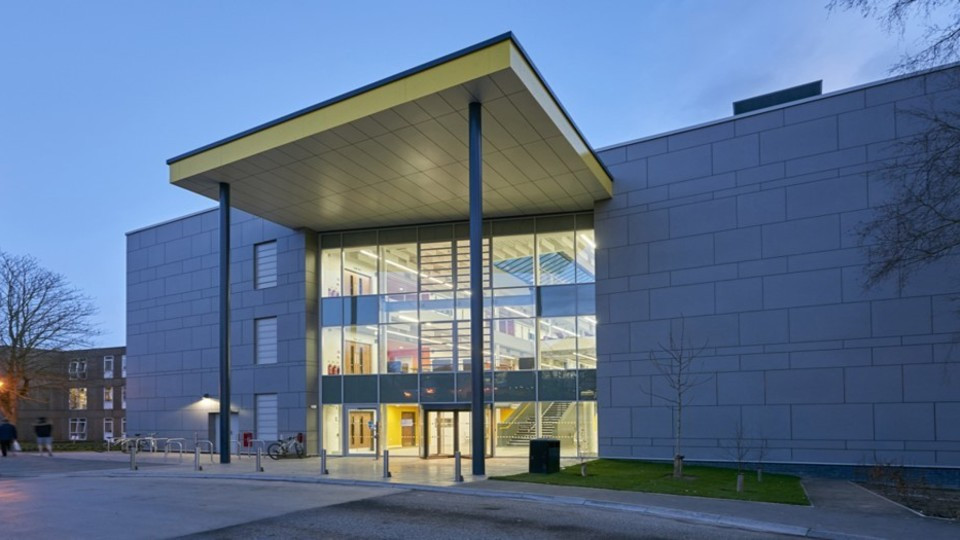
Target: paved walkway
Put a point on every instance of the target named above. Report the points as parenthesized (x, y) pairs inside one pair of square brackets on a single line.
[(840, 509)]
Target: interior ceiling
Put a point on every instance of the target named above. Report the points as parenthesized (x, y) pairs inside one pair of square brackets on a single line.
[(408, 163)]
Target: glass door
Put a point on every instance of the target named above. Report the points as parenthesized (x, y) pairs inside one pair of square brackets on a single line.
[(361, 431), (441, 437)]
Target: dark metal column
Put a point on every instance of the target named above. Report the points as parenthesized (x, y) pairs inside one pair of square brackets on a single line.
[(225, 434), (476, 292)]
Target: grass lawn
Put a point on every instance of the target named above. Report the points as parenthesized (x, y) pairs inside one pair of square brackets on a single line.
[(700, 481)]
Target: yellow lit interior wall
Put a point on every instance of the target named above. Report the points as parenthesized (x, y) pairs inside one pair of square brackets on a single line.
[(394, 430)]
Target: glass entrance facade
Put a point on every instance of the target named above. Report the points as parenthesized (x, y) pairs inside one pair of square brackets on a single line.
[(395, 336)]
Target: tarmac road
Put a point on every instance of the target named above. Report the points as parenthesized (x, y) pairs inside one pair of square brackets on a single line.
[(425, 516)]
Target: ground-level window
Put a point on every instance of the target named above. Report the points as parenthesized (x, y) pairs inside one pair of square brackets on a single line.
[(77, 399), (78, 429), (107, 429), (267, 428), (107, 367), (123, 427)]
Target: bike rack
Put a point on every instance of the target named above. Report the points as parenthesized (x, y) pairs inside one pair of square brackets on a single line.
[(206, 443), (254, 444), (171, 442)]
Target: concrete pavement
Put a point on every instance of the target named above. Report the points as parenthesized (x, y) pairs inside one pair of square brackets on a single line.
[(427, 516), (840, 509)]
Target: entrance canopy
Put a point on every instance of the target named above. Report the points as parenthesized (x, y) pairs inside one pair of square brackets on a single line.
[(396, 151)]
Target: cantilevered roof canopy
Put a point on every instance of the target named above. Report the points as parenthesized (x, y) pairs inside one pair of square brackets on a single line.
[(395, 152)]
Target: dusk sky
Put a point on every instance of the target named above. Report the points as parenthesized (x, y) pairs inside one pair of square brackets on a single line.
[(95, 96)]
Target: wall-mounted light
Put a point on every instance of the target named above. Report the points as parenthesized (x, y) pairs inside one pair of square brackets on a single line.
[(206, 396)]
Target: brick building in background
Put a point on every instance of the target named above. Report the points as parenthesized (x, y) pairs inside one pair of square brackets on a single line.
[(90, 405)]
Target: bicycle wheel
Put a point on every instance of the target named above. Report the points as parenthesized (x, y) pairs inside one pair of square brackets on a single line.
[(300, 450), (275, 450)]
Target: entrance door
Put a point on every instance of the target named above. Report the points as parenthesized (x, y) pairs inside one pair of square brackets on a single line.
[(448, 431), (442, 433), (361, 430), (408, 433), (215, 429)]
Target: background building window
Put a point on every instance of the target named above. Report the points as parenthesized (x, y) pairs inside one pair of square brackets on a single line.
[(77, 399), (108, 398), (78, 429), (123, 366), (123, 427), (265, 265), (123, 400), (266, 340), (107, 367), (77, 369), (107, 429)]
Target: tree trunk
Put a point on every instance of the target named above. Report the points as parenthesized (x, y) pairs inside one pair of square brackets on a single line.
[(677, 458), (760, 474), (678, 466), (740, 482)]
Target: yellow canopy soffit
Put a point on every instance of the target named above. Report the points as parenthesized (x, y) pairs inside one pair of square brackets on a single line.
[(461, 70)]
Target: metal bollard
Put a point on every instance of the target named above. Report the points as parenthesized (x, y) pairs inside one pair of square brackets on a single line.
[(259, 457), (457, 477), (196, 459), (323, 462), (386, 464), (133, 458)]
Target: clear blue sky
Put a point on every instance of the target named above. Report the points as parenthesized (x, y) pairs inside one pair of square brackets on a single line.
[(94, 96)]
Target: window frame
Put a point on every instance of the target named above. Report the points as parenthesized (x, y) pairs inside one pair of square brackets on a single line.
[(108, 360), (257, 257), (80, 402), (77, 369), (74, 431), (257, 359)]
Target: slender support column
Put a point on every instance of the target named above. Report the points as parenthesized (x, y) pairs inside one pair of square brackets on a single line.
[(225, 434), (476, 292)]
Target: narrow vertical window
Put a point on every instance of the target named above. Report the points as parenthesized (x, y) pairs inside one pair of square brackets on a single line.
[(267, 417), (107, 367), (123, 400), (108, 398), (123, 366), (265, 265), (266, 340), (107, 429)]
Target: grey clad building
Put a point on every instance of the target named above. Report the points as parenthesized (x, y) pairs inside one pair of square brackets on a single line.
[(353, 312)]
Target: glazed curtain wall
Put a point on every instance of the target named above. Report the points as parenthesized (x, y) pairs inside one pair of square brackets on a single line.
[(396, 301)]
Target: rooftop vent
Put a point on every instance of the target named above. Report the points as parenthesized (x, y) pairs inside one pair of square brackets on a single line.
[(778, 98)]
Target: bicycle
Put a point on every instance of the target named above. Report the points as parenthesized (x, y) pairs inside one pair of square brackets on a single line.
[(144, 444), (289, 446)]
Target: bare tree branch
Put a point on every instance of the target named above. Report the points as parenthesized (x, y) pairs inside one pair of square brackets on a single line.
[(920, 222), (40, 316), (940, 42)]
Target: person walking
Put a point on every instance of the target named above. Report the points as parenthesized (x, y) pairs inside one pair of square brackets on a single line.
[(8, 435), (44, 432)]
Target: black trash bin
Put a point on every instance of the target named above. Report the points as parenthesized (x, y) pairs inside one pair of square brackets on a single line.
[(544, 456)]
